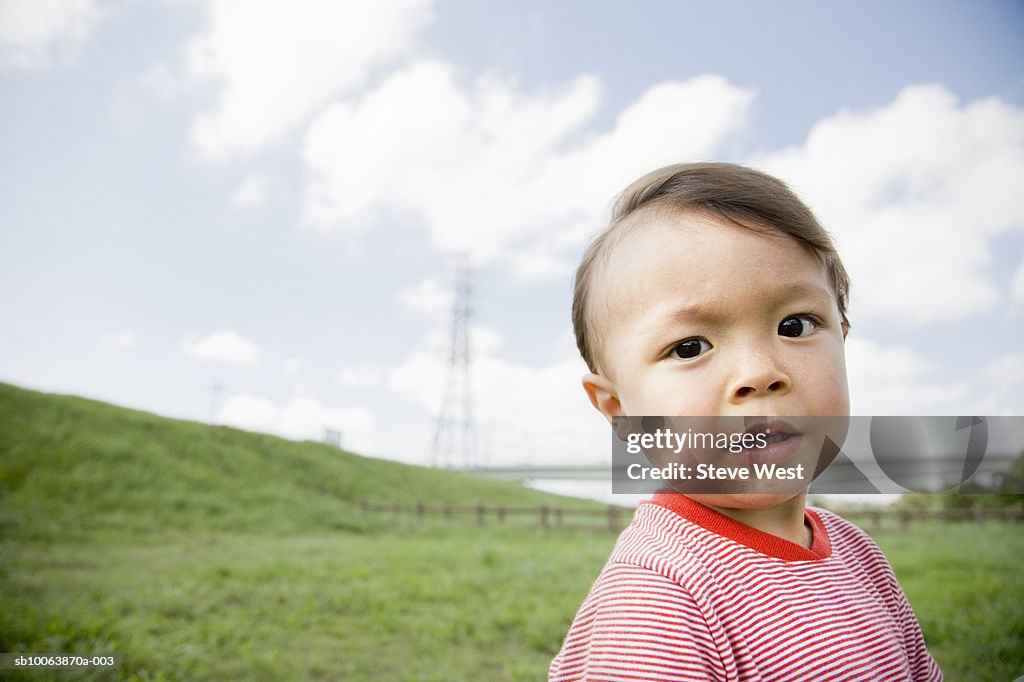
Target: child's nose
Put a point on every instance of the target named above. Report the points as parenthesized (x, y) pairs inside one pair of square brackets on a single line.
[(759, 375)]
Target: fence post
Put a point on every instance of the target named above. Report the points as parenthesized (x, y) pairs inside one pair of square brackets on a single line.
[(543, 516), (558, 517), (979, 514), (419, 510), (479, 515), (447, 512), (876, 520), (904, 519), (613, 519), (501, 514)]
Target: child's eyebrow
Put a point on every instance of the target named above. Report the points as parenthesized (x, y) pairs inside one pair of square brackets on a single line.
[(802, 290), (712, 313)]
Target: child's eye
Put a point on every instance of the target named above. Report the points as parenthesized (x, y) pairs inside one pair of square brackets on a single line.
[(691, 348), (797, 325)]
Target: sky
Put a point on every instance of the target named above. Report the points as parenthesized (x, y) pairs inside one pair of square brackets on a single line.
[(249, 212)]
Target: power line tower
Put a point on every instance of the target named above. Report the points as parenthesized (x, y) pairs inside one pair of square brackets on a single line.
[(455, 438), (214, 401)]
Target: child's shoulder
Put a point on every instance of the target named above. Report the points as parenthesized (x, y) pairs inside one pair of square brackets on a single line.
[(840, 530), (659, 541), (852, 544)]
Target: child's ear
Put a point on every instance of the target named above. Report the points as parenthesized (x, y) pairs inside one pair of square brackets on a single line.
[(603, 395)]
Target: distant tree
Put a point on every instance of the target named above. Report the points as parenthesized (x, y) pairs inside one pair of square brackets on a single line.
[(1004, 492), (1010, 489)]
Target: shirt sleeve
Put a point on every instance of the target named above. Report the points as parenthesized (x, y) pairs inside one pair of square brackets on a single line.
[(637, 624), (923, 667)]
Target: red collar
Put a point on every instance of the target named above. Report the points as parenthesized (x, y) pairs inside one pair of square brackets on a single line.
[(758, 540)]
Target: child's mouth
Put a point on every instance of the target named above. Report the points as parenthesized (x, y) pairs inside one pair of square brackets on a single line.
[(781, 441), (779, 437)]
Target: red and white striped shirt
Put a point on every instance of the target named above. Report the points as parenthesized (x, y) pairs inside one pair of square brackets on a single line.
[(690, 594)]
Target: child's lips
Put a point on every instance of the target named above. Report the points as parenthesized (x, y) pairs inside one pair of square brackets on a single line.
[(783, 441), (772, 426), (774, 452)]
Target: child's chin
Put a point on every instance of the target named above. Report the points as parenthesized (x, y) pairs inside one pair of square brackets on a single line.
[(743, 500)]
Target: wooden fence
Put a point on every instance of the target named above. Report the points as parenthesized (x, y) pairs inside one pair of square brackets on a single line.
[(888, 519), (613, 519)]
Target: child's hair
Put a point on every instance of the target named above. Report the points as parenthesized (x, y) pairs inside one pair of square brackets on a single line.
[(740, 195)]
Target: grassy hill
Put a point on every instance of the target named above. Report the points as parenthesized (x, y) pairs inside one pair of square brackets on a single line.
[(74, 466), (206, 552)]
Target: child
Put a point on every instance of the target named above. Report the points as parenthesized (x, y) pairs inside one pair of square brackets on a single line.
[(716, 292)]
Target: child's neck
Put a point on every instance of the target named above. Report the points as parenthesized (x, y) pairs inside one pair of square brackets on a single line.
[(784, 520)]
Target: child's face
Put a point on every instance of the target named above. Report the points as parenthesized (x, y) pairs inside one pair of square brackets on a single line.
[(700, 317)]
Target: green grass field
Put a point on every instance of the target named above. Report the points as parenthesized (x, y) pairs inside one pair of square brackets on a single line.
[(207, 553)]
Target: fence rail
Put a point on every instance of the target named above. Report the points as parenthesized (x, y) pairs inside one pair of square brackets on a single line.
[(879, 519), (613, 519)]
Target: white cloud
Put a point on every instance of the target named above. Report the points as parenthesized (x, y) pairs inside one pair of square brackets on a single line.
[(252, 191), (301, 418), (33, 32), (162, 82), (361, 376), (224, 346), (275, 62), (496, 172), (291, 367), (123, 339), (1001, 380), (428, 297), (914, 192), (896, 380), (1017, 284), (482, 339)]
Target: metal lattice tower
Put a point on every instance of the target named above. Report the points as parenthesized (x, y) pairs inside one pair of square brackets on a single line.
[(455, 438)]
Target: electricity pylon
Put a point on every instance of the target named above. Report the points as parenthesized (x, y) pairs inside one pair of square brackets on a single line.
[(455, 437)]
